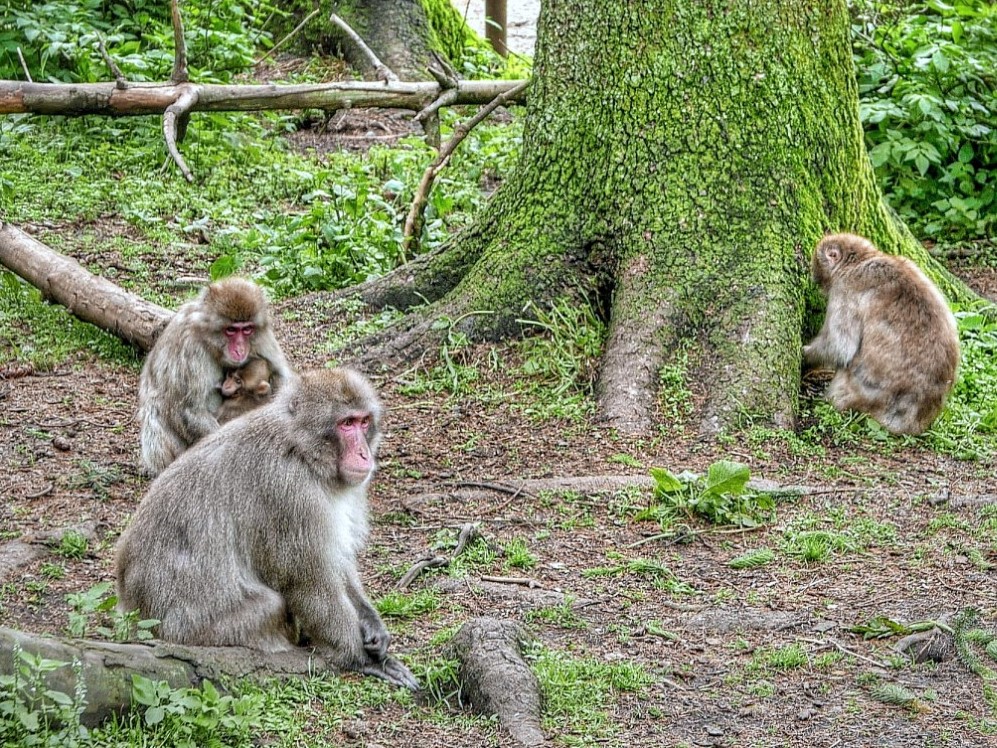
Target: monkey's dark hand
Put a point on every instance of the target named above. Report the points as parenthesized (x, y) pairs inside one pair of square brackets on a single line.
[(375, 638), (393, 671)]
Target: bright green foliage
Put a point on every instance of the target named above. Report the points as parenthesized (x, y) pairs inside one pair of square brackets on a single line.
[(928, 91), (577, 692), (32, 714), (752, 559), (97, 605), (720, 497), (194, 717), (59, 40), (73, 544), (403, 605)]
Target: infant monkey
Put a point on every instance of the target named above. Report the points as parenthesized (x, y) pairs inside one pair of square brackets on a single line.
[(888, 334), (244, 389)]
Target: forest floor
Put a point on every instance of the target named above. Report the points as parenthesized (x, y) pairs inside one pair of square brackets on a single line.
[(761, 657)]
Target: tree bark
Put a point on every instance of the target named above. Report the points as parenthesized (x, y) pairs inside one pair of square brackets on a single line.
[(397, 31), (677, 168), (92, 299)]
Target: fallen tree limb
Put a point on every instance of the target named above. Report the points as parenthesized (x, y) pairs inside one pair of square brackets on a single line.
[(495, 678), (78, 99), (106, 668), (92, 299)]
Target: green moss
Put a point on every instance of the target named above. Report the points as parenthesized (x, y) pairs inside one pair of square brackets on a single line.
[(450, 33)]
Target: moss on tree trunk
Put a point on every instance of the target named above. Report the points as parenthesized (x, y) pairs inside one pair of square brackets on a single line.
[(681, 162)]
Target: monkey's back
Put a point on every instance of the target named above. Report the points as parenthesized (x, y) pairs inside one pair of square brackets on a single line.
[(204, 540), (909, 348)]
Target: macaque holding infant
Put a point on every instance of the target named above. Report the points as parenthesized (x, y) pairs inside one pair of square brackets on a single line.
[(888, 334)]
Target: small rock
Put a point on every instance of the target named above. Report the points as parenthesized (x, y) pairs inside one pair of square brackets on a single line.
[(61, 443), (804, 714), (714, 730)]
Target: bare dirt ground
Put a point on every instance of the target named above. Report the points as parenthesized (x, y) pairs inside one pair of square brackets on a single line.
[(68, 448)]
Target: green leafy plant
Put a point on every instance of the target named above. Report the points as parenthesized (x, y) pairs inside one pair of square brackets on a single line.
[(97, 606), (402, 605), (194, 717), (518, 555), (928, 104), (721, 497), (72, 544), (31, 713)]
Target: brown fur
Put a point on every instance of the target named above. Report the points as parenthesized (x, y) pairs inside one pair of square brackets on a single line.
[(888, 334), (178, 390), (252, 535), (244, 389)]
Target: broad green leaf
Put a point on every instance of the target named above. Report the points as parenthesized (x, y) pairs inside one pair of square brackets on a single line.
[(726, 477), (665, 482)]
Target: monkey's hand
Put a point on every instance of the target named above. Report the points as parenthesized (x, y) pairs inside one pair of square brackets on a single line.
[(375, 638), (393, 671)]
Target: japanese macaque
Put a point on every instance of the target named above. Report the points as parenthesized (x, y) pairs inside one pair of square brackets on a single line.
[(244, 389), (250, 538), (888, 334), (178, 392)]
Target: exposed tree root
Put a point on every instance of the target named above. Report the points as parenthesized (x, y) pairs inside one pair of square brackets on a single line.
[(495, 678), (635, 350), (106, 668)]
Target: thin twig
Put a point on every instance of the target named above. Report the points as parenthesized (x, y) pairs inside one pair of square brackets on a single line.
[(427, 562), (468, 533), (24, 65), (500, 487), (180, 74), (290, 36), (381, 70), (176, 113), (119, 78), (524, 581), (43, 492), (413, 223), (845, 650)]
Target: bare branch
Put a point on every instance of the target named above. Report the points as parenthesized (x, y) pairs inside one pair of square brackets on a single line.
[(413, 222), (24, 65), (286, 39), (119, 79), (381, 70), (174, 120), (180, 74)]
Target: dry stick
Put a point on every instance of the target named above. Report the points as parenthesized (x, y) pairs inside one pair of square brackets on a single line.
[(413, 223), (175, 113), (500, 487), (180, 74), (845, 650), (24, 65), (381, 70), (468, 532), (119, 78), (286, 39), (524, 581)]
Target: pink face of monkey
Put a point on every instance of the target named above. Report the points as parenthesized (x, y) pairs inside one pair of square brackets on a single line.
[(355, 460), (238, 337)]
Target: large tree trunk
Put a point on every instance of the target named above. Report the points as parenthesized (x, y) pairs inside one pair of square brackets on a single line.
[(680, 165)]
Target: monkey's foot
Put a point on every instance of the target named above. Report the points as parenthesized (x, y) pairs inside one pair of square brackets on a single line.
[(393, 671)]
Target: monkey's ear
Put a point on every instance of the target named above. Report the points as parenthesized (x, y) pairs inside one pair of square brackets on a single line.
[(263, 388), (833, 253)]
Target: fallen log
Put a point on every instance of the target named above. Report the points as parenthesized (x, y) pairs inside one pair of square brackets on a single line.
[(78, 99), (92, 299), (106, 668)]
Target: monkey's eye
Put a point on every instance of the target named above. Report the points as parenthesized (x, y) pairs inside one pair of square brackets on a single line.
[(352, 422)]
